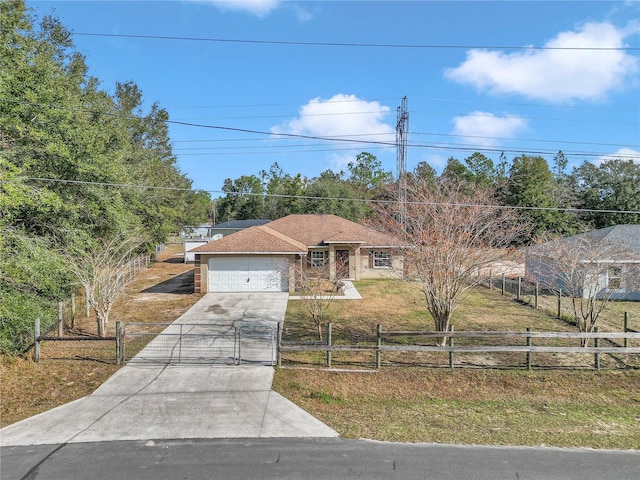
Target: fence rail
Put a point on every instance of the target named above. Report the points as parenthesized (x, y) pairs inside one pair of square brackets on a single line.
[(597, 349)]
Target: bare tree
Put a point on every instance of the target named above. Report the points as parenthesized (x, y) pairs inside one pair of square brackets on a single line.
[(453, 234), (586, 269), (103, 271), (317, 291)]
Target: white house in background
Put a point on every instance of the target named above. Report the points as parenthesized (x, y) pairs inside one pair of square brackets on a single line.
[(594, 264), (197, 236)]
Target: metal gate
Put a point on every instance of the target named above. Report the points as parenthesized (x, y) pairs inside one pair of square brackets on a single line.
[(200, 343)]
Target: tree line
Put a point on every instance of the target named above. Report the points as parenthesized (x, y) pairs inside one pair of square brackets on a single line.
[(554, 201), (58, 124)]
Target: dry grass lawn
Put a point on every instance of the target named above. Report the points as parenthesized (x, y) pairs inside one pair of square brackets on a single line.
[(71, 370), (416, 398)]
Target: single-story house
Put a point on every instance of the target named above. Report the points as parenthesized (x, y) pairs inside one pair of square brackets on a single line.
[(264, 257), (592, 264)]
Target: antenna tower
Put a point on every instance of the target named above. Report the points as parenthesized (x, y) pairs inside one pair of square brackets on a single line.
[(402, 130)]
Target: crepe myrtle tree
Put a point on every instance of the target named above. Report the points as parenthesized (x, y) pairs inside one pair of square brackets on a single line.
[(316, 288), (586, 270), (102, 268), (452, 234)]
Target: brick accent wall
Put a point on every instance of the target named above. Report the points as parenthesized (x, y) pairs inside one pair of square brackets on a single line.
[(197, 278)]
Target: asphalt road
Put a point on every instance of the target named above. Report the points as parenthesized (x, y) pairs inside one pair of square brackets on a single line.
[(303, 459)]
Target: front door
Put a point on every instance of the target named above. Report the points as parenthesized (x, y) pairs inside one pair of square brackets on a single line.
[(342, 264)]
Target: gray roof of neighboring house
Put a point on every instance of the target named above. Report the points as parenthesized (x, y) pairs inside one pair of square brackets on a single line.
[(627, 236), (241, 223)]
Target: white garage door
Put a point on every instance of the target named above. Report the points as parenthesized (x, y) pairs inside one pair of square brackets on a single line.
[(247, 274)]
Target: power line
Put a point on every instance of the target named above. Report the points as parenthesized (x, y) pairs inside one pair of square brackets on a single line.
[(308, 197), (337, 138), (339, 44)]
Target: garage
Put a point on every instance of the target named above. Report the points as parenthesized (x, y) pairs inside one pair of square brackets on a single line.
[(247, 274)]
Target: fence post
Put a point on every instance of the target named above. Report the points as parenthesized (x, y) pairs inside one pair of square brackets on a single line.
[(559, 304), (36, 341), (490, 279), (378, 344), (502, 288), (60, 320), (596, 343), (537, 293), (73, 310), (519, 288), (180, 346), (118, 344), (528, 352), (450, 352), (329, 344), (626, 329)]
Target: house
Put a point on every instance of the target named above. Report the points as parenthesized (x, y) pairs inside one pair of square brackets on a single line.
[(232, 226), (592, 264), (203, 234), (264, 257)]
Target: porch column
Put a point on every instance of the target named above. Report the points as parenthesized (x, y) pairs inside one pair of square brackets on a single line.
[(332, 262)]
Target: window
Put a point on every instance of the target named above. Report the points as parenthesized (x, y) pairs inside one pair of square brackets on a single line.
[(318, 259), (614, 278), (381, 260)]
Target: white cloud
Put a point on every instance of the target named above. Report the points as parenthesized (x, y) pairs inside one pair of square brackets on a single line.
[(556, 75), (341, 116), (259, 8), (485, 129), (622, 154)]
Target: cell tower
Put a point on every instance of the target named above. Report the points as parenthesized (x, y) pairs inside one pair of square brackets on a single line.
[(402, 130)]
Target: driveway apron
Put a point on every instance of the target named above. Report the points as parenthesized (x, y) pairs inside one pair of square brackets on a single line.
[(148, 400)]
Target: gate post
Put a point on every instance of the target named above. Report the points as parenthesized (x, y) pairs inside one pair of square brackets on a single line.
[(278, 341), (118, 344)]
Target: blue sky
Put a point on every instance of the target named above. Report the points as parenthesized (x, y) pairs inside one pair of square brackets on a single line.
[(262, 70)]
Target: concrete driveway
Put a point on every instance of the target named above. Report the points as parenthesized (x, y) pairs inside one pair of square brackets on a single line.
[(149, 400)]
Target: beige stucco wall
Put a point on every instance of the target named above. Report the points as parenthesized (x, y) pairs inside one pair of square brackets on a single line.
[(367, 271)]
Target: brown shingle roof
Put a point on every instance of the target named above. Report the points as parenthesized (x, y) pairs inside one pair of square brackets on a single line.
[(259, 239), (318, 229), (295, 233)]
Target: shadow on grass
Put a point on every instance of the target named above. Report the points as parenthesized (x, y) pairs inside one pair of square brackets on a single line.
[(180, 284)]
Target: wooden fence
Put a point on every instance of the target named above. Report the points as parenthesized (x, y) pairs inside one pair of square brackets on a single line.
[(603, 343)]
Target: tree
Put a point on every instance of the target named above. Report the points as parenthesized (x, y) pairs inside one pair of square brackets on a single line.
[(103, 271), (367, 175), (317, 291), (453, 234), (531, 185), (244, 199), (335, 195), (612, 185), (587, 270)]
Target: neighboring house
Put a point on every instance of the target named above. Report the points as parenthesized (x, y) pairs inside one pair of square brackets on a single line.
[(232, 226), (263, 258), (593, 264), (197, 236)]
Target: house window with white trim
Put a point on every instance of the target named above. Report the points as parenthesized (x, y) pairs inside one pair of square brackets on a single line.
[(614, 278), (381, 260), (318, 258)]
